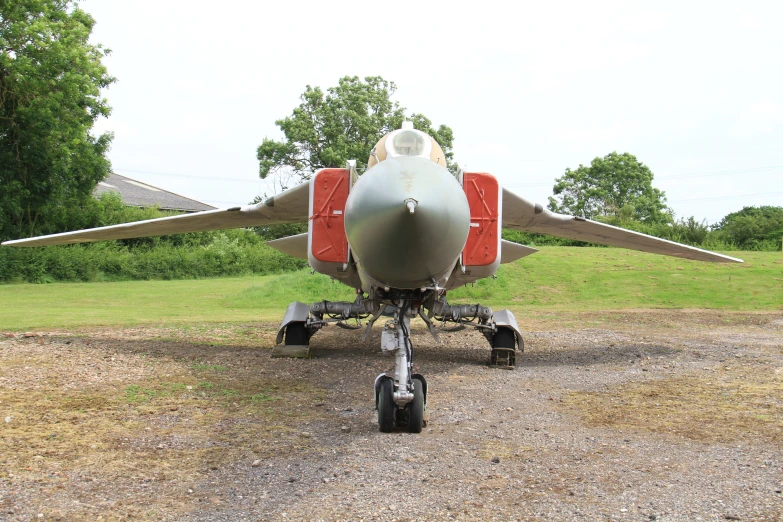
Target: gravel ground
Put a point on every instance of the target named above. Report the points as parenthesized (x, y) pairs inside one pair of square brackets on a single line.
[(499, 445)]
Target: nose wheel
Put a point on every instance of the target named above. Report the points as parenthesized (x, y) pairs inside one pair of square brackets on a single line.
[(391, 416), (401, 397), (387, 410), (416, 408)]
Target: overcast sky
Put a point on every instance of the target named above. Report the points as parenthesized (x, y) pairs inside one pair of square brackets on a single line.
[(692, 89)]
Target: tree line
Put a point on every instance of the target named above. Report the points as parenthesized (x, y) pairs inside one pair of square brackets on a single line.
[(617, 189)]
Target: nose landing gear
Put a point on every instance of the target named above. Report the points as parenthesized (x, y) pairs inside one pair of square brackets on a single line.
[(401, 396), (401, 399), (390, 414)]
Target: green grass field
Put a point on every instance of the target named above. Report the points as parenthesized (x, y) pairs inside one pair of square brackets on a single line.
[(557, 278)]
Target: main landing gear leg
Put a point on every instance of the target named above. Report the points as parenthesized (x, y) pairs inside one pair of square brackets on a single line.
[(302, 321), (500, 328), (401, 399)]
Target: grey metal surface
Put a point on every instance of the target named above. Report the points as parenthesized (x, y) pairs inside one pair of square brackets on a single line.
[(295, 246), (288, 207), (394, 339), (138, 194), (395, 247), (521, 214), (506, 318), (296, 312), (510, 251)]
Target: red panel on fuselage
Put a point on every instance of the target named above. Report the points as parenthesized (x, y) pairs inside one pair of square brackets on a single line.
[(330, 191), (483, 193)]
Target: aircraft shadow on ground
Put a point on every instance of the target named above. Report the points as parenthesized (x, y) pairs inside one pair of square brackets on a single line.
[(348, 345), (433, 352), (595, 355), (175, 349)]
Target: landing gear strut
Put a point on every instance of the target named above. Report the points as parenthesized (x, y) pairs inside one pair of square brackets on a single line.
[(401, 399)]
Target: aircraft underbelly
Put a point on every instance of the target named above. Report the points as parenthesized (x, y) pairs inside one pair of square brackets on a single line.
[(371, 281)]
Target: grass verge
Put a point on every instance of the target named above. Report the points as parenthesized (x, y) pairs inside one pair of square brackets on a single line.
[(557, 278)]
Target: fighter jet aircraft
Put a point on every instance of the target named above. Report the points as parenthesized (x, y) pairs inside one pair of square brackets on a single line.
[(402, 234)]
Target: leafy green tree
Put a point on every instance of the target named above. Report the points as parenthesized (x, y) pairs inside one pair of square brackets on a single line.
[(752, 228), (617, 185), (50, 95), (343, 123)]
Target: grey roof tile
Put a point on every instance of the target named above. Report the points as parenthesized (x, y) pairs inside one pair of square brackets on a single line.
[(137, 194)]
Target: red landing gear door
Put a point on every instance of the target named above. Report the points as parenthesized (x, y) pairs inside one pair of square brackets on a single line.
[(328, 242), (483, 193)]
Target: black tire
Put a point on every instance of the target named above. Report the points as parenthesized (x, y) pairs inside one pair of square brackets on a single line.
[(504, 338), (295, 334), (386, 406), (416, 408)]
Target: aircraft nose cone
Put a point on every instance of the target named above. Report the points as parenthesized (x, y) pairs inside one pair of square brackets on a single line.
[(407, 220)]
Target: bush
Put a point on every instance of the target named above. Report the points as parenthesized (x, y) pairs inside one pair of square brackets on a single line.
[(530, 239), (752, 228), (178, 256), (226, 255)]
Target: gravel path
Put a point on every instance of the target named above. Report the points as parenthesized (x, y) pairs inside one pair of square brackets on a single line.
[(499, 445)]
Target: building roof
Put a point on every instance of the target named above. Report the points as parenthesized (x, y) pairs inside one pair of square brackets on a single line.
[(137, 194)]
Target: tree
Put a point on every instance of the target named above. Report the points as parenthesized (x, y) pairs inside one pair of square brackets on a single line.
[(50, 95), (327, 129), (752, 228), (617, 185)]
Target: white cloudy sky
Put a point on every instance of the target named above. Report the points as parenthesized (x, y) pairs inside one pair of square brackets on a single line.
[(693, 89)]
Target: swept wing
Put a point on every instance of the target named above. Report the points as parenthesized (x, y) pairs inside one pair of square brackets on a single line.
[(521, 214), (290, 206)]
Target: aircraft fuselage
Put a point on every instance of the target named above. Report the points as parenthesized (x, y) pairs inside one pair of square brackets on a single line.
[(406, 220)]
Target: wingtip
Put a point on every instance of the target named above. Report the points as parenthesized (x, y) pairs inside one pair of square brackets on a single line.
[(730, 259)]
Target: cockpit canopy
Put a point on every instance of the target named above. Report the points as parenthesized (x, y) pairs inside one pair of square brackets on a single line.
[(407, 141)]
